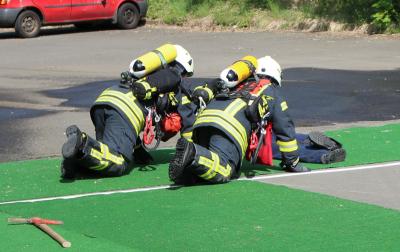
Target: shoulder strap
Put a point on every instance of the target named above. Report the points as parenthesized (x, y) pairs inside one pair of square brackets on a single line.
[(248, 91)]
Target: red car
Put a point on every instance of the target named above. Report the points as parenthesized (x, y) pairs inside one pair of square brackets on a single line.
[(27, 16)]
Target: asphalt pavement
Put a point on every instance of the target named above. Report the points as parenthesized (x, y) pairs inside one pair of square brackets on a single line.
[(330, 80)]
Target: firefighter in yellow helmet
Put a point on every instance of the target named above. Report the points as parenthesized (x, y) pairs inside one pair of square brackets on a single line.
[(120, 113), (222, 131)]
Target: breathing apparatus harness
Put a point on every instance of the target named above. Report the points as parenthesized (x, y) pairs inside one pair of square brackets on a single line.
[(261, 129), (157, 105), (127, 81), (159, 116), (148, 132)]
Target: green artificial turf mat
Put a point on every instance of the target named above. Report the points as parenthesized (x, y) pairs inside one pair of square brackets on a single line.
[(40, 178), (238, 216), (26, 237), (364, 145)]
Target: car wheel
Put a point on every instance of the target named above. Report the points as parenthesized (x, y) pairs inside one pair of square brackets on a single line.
[(128, 16), (28, 24)]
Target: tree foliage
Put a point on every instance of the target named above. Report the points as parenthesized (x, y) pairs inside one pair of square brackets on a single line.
[(385, 14)]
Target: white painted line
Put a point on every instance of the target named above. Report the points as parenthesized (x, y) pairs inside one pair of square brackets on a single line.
[(323, 171), (75, 196), (263, 177)]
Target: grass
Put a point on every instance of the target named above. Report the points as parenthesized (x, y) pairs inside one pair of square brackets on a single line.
[(241, 14), (264, 14)]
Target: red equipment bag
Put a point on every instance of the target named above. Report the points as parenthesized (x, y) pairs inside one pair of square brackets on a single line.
[(170, 125), (264, 156)]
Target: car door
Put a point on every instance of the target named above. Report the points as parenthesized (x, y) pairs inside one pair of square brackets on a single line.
[(54, 11), (91, 9)]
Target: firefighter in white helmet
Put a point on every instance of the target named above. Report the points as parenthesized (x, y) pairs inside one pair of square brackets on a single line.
[(269, 68), (223, 132), (314, 147), (123, 111)]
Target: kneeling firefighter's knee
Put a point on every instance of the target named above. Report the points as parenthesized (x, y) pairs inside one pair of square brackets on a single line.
[(115, 170), (100, 158)]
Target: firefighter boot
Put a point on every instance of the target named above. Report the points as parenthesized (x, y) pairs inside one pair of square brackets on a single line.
[(319, 139), (334, 156), (74, 142), (184, 156), (295, 166), (141, 156), (68, 169)]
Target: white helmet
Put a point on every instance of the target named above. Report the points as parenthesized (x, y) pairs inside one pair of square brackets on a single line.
[(183, 57), (269, 67)]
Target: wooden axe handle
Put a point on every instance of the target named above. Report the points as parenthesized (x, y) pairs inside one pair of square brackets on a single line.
[(54, 235), (33, 220), (18, 220)]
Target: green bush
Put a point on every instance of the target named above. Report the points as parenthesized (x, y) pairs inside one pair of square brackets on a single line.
[(384, 14), (387, 14), (348, 11), (170, 12)]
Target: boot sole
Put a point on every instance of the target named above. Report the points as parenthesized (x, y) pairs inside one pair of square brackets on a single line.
[(334, 156), (176, 166), (70, 148), (73, 129), (321, 140)]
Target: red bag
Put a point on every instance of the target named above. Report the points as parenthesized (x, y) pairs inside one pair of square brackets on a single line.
[(264, 156), (170, 125)]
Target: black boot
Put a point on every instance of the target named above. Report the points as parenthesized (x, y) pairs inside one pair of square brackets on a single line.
[(141, 156), (68, 169), (334, 156), (74, 142), (184, 156), (319, 139), (293, 167)]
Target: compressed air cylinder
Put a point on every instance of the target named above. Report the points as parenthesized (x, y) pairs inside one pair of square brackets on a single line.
[(239, 71), (153, 60)]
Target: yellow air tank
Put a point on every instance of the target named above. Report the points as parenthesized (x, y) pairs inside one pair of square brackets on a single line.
[(239, 71), (153, 60)]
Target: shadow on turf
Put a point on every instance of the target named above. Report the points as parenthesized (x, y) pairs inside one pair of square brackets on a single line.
[(161, 156), (247, 171)]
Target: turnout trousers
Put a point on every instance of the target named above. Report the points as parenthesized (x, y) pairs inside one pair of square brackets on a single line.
[(217, 159), (112, 151), (308, 152)]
